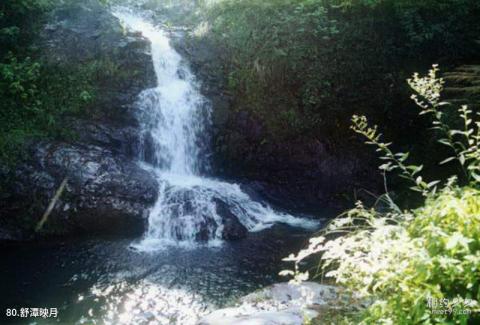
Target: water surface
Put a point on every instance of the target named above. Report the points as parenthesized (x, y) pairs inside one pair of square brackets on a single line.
[(105, 281)]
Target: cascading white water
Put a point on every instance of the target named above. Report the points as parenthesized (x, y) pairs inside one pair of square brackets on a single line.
[(173, 116), (171, 113)]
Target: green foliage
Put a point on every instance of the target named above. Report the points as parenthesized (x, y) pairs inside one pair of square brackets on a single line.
[(419, 266), (19, 103), (36, 95), (464, 143), (298, 64), (268, 51), (393, 161), (18, 21), (20, 107)]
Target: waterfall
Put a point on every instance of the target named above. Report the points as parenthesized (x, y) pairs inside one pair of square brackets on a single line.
[(190, 207)]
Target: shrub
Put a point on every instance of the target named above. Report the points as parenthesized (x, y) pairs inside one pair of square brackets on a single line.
[(419, 266)]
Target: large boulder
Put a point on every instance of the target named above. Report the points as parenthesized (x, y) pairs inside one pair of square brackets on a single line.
[(279, 304), (105, 193), (196, 213), (232, 227)]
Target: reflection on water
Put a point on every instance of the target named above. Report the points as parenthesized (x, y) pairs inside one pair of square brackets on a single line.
[(144, 303), (106, 282)]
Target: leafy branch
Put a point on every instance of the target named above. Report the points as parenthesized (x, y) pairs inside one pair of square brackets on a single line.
[(393, 161), (465, 143)]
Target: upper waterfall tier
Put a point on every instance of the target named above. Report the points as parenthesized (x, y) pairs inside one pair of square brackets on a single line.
[(173, 116)]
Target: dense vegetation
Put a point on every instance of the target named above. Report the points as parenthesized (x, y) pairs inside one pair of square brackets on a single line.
[(36, 92), (419, 266), (306, 65), (19, 74)]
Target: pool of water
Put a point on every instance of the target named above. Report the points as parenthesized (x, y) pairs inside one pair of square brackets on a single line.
[(106, 281)]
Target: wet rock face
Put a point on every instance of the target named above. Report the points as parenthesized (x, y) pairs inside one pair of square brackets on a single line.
[(300, 174), (105, 193), (232, 227), (119, 140)]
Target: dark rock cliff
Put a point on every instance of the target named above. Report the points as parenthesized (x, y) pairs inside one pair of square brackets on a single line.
[(106, 192), (302, 174)]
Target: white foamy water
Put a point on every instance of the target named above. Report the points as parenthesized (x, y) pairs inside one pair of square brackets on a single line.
[(173, 116)]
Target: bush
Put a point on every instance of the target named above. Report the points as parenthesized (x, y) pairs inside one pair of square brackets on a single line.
[(419, 266)]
